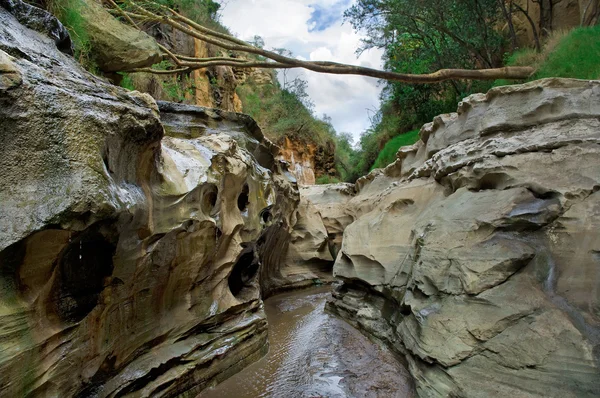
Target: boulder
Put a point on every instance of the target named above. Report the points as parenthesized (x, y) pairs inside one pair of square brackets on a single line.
[(475, 254), (114, 45)]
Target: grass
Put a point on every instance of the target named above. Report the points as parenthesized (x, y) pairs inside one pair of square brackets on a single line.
[(571, 54), (577, 55), (69, 14), (388, 153), (126, 81), (327, 179), (281, 113)]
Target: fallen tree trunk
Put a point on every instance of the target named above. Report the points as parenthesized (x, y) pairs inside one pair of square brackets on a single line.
[(150, 11)]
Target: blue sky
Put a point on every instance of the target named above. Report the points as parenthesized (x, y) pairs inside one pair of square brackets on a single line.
[(324, 16), (313, 30)]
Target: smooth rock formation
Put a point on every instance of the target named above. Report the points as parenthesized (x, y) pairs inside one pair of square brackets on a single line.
[(475, 255), (316, 236), (130, 249)]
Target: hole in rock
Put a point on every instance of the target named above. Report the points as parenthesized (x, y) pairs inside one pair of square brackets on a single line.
[(493, 181), (11, 259), (243, 198), (405, 310), (266, 216), (543, 193), (243, 272), (209, 198), (82, 268), (332, 245)]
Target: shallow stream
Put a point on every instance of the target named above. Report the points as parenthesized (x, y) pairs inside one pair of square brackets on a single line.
[(314, 354)]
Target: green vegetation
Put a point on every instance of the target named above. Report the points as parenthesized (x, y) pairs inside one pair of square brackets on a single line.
[(285, 112), (577, 56), (204, 12), (417, 37), (388, 153), (325, 179), (175, 88), (69, 14), (126, 81), (574, 54)]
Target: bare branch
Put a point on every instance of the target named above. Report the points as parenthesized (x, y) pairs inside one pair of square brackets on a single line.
[(159, 71), (193, 59), (228, 42)]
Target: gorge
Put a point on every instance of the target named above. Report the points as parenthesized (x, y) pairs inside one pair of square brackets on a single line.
[(140, 240)]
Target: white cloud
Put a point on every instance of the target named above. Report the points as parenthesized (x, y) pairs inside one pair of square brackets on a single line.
[(288, 24)]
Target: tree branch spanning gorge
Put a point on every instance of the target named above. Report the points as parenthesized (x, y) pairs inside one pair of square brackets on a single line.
[(136, 12)]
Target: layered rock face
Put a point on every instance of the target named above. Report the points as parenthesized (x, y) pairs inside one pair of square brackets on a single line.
[(553, 14), (308, 161), (129, 252), (475, 255), (316, 237)]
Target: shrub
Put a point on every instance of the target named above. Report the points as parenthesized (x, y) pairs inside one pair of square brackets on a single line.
[(388, 153), (327, 179), (69, 14), (574, 54), (126, 81)]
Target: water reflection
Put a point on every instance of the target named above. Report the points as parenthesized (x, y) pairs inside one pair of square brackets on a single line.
[(313, 354)]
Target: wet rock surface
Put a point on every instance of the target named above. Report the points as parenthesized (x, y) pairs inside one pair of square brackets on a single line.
[(130, 249), (314, 354), (138, 239), (475, 254)]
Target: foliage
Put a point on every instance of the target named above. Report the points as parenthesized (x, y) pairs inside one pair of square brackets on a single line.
[(69, 14), (285, 112), (325, 179), (576, 56), (126, 81), (421, 37), (178, 88), (573, 54), (346, 157), (388, 153), (416, 34), (204, 12)]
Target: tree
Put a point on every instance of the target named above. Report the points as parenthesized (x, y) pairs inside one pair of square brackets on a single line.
[(136, 12)]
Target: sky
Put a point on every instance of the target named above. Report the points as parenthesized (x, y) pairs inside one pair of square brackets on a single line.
[(313, 30)]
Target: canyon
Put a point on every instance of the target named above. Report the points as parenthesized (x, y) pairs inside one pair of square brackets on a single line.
[(140, 238)]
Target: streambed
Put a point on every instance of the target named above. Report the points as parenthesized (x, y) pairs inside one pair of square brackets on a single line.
[(314, 354)]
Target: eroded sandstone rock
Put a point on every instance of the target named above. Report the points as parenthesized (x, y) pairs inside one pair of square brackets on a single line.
[(130, 249), (475, 254), (316, 235)]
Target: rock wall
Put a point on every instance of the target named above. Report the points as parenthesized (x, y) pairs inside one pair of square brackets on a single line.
[(308, 161), (316, 236), (133, 235), (475, 254), (557, 15)]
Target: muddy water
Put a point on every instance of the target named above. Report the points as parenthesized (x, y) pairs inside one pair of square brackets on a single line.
[(314, 354)]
